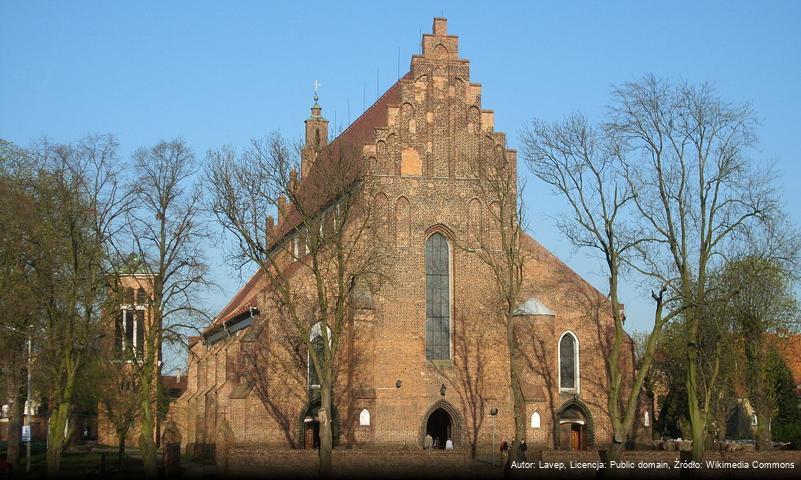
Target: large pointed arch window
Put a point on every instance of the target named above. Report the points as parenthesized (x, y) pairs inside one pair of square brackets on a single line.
[(438, 296), (568, 363)]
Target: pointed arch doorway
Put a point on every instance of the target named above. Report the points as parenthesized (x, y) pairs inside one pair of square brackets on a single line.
[(574, 428), (440, 427), (442, 422), (309, 425)]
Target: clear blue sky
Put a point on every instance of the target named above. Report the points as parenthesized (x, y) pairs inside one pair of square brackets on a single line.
[(223, 72)]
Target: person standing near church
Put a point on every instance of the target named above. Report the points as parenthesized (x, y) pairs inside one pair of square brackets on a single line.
[(523, 449), (504, 451), (428, 442), (449, 445)]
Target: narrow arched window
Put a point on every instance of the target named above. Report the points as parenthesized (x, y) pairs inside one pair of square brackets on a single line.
[(568, 362), (364, 418), (314, 379), (535, 420), (317, 343), (438, 292)]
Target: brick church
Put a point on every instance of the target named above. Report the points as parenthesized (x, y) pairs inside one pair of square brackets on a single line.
[(428, 357)]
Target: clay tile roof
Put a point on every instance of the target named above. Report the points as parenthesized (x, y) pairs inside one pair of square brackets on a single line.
[(315, 190), (242, 301)]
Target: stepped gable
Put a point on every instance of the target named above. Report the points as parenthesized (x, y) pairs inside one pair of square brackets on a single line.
[(432, 111), (424, 125), (437, 122)]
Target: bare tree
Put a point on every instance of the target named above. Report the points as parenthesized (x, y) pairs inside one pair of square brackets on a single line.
[(500, 247), (582, 165), (684, 155), (168, 235), (320, 259)]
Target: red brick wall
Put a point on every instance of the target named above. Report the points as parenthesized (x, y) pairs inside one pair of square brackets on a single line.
[(440, 117)]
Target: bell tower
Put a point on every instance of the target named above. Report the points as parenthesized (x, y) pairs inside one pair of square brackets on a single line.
[(316, 135)]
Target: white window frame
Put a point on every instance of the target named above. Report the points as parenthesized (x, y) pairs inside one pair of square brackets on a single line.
[(364, 418), (536, 420), (450, 295), (127, 307), (316, 331), (576, 363)]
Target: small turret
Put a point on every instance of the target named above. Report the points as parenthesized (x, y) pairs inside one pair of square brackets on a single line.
[(316, 136)]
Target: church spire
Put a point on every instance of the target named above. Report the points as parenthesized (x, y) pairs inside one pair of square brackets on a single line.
[(316, 134)]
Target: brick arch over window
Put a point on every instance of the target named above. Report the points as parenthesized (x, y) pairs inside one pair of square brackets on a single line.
[(440, 51), (383, 160), (408, 122), (438, 332), (457, 422)]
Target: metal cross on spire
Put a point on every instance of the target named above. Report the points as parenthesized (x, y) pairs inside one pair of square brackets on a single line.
[(316, 85)]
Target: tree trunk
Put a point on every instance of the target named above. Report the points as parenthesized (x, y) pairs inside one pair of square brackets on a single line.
[(14, 424), (326, 430), (517, 392), (120, 449), (757, 391), (149, 376), (764, 441), (56, 440), (697, 419), (615, 451), (147, 446)]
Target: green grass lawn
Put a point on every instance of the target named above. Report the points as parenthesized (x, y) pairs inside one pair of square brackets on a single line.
[(79, 462)]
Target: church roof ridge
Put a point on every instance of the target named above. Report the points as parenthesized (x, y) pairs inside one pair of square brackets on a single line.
[(359, 133)]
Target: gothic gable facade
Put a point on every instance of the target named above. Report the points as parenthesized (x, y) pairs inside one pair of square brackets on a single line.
[(429, 356)]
